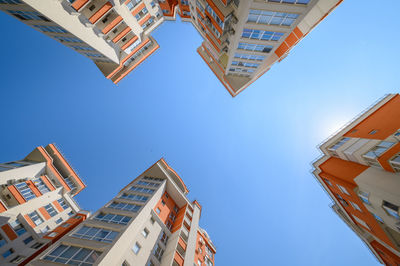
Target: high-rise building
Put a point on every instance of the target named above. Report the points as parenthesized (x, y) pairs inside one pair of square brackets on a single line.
[(242, 39), (36, 203), (360, 170), (149, 222)]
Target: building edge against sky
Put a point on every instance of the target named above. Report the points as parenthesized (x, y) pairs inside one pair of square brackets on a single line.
[(149, 222), (242, 39), (360, 170)]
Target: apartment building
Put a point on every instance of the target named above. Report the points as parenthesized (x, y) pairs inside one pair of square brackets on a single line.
[(149, 222), (360, 170), (242, 39), (36, 203)]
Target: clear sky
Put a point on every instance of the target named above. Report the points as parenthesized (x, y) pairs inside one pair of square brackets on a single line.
[(246, 160)]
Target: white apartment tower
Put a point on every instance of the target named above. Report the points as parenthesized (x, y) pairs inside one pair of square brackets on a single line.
[(36, 204), (242, 39), (149, 222)]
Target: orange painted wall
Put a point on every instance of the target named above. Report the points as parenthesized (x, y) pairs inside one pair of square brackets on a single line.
[(200, 255), (112, 24), (34, 189), (29, 221), (58, 206), (14, 191), (78, 4), (3, 208), (96, 16), (386, 120), (9, 231), (166, 209), (293, 38), (179, 219), (45, 214), (386, 255), (343, 173), (46, 180)]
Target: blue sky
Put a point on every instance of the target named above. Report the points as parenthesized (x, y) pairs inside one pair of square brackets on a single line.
[(247, 159)]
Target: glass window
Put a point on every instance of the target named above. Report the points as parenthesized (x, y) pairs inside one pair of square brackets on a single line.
[(158, 252), (255, 47), (73, 255), (343, 189), (113, 218), (391, 209), (250, 57), (145, 232), (54, 29), (45, 229), (261, 35), (12, 2), (27, 15), (63, 204), (338, 144), (97, 234), (378, 218), (50, 209), (3, 241), (164, 238), (158, 211), (7, 253), (40, 185), (355, 206), (35, 218), (25, 191), (271, 18), (19, 229), (395, 162), (17, 259), (136, 248), (124, 206), (134, 197), (28, 240), (364, 197), (143, 190), (59, 220), (299, 2), (149, 184), (379, 149)]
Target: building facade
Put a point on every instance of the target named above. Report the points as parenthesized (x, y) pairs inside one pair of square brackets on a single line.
[(242, 39), (36, 204), (149, 222), (360, 170)]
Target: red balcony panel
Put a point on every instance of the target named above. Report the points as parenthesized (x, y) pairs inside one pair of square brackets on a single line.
[(121, 34), (78, 4), (112, 24), (101, 12)]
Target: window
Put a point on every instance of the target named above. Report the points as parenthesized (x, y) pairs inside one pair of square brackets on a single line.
[(250, 57), (40, 185), (152, 220), (364, 197), (378, 218), (343, 189), (152, 4), (49, 208), (148, 23), (112, 218), (2, 241), (65, 225), (59, 220), (63, 204), (82, 48), (54, 29), (19, 229), (327, 181), (373, 132), (141, 13), (25, 191), (97, 234), (158, 252), (11, 2), (299, 2), (271, 18), (131, 4), (28, 240), (378, 150), (261, 35), (127, 62), (136, 248), (355, 206), (68, 39), (36, 219), (8, 253), (395, 162), (143, 190), (37, 245), (149, 184), (145, 232), (338, 144), (158, 210), (73, 255), (255, 47), (52, 234), (391, 209), (17, 259), (134, 197), (172, 217), (169, 225), (358, 220), (163, 238), (124, 206), (244, 64), (163, 202), (26, 15), (215, 16), (45, 229)]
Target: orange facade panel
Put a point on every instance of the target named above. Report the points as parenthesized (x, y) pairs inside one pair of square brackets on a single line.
[(121, 34), (101, 12), (385, 157), (34, 189), (9, 231), (46, 180), (58, 206), (138, 8), (112, 24), (386, 255), (216, 10), (342, 169), (16, 194), (78, 4), (3, 207), (384, 121), (282, 49), (126, 45), (144, 19), (29, 221), (45, 214), (178, 259)]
